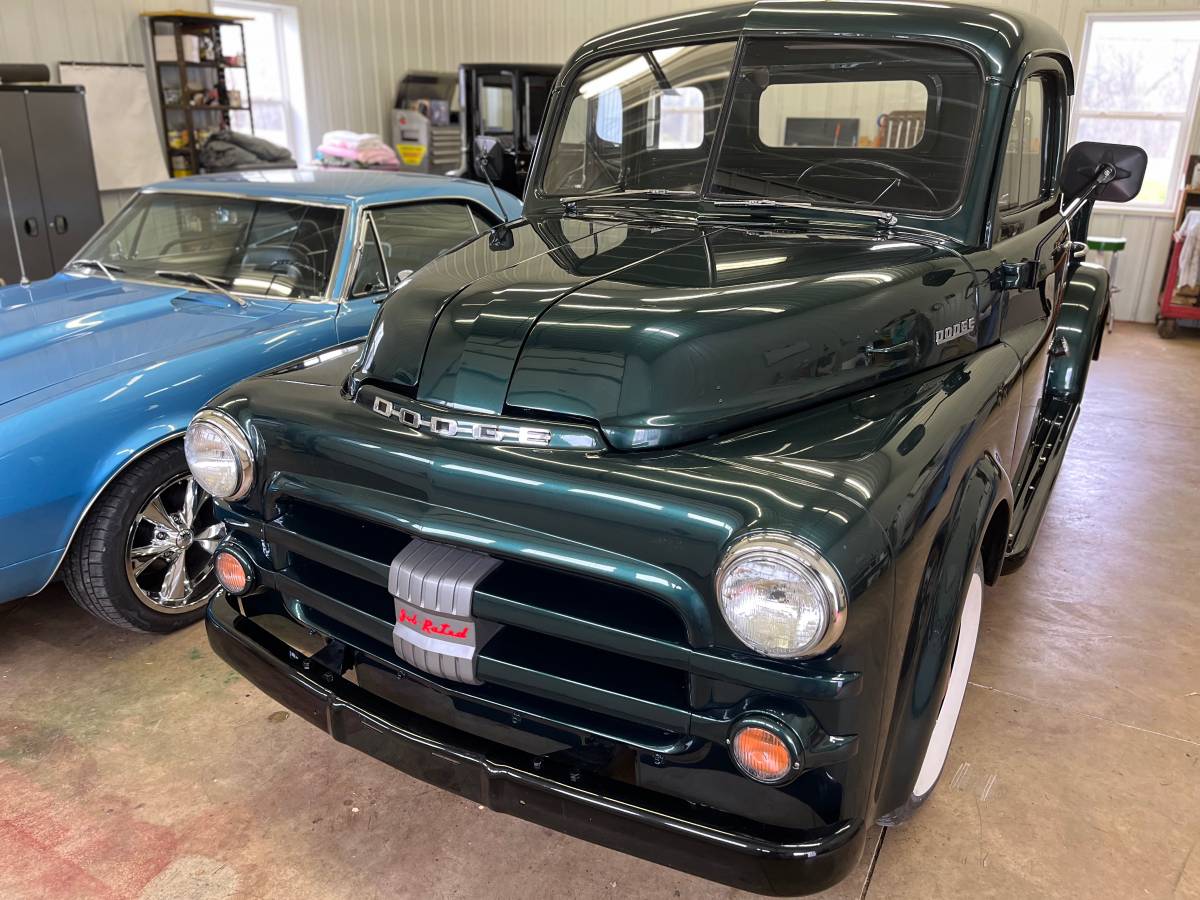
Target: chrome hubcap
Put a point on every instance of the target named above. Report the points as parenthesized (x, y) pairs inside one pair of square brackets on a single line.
[(169, 552)]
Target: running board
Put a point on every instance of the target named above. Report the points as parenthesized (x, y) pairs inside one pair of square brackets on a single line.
[(1049, 444)]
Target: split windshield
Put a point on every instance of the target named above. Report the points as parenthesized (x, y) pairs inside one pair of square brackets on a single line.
[(878, 125), (258, 247)]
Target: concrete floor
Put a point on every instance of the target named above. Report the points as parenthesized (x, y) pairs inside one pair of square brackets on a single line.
[(134, 766)]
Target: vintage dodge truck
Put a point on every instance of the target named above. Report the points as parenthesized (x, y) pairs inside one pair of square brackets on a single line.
[(663, 515)]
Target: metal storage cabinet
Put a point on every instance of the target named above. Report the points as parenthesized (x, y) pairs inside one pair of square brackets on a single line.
[(51, 178)]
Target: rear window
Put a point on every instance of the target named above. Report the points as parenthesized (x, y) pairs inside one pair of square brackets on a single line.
[(877, 125), (846, 114)]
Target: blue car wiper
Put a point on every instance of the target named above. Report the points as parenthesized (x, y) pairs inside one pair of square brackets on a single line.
[(197, 278), (106, 268)]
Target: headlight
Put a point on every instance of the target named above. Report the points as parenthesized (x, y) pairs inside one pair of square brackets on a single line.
[(218, 453), (780, 597)]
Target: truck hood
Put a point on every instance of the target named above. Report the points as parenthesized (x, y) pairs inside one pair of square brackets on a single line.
[(664, 334), (67, 326)]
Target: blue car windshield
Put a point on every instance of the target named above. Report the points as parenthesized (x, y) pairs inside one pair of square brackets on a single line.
[(261, 248)]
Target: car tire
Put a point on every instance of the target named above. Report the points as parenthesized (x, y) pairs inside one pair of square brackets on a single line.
[(938, 748), (151, 524)]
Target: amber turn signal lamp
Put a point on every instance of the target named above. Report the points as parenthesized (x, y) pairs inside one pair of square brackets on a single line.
[(762, 753), (233, 574)]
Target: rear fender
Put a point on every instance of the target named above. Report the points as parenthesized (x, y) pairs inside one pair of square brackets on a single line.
[(983, 493), (1077, 332)]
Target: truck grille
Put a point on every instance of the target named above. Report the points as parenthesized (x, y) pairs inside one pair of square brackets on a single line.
[(579, 649)]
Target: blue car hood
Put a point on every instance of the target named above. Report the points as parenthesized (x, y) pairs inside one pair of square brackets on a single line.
[(66, 326)]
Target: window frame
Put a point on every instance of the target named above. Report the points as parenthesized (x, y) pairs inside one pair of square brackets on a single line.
[(363, 228), (289, 51), (1052, 116), (1186, 119)]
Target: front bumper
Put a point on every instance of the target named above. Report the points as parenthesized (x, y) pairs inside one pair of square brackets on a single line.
[(632, 820)]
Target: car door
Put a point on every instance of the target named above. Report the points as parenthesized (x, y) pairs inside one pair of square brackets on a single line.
[(1032, 243), (394, 240)]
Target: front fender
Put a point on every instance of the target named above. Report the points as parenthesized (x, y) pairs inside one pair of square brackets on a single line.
[(60, 448), (54, 470), (982, 493), (1080, 325)]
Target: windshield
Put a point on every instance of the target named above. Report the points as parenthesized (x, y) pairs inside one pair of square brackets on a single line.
[(642, 121), (835, 123), (259, 247)]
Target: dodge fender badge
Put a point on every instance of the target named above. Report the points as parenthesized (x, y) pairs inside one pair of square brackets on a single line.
[(488, 432), (950, 332)]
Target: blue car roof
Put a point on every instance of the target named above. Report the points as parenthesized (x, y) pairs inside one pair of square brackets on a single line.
[(330, 185)]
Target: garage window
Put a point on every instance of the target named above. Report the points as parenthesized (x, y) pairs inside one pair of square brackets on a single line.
[(1138, 86), (275, 80)]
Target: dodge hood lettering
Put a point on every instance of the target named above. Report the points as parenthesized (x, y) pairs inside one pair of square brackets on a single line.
[(445, 426)]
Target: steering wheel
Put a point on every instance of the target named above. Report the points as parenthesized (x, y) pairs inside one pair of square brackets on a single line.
[(887, 167), (287, 251)]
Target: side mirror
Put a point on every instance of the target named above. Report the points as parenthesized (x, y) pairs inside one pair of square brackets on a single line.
[(489, 158), (1088, 159)]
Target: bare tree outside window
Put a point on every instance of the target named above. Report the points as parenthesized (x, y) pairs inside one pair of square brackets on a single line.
[(1138, 87)]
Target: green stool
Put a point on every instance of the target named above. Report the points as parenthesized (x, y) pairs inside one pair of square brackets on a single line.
[(1112, 246)]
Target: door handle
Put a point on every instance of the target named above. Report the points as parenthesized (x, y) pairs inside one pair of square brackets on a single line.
[(60, 224), (888, 353), (31, 227)]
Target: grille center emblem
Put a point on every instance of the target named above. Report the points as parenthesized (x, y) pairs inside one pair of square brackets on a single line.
[(465, 429), (433, 586)]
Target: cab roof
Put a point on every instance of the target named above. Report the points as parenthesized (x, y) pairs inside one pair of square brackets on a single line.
[(1001, 40), (352, 187)]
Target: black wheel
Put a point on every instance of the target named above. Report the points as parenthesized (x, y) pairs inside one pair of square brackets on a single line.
[(1167, 328), (938, 747), (143, 557)]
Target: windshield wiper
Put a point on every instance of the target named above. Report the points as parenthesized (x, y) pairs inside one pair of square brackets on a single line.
[(880, 217), (106, 268), (197, 278), (610, 195)]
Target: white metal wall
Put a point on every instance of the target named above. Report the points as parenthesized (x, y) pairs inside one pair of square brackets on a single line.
[(356, 50)]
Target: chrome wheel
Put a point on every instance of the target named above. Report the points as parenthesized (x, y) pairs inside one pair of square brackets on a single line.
[(169, 551)]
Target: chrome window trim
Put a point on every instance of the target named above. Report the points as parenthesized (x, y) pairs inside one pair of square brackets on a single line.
[(173, 436), (360, 233), (232, 195), (326, 296)]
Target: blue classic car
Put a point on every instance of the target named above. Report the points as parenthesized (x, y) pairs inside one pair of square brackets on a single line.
[(194, 285)]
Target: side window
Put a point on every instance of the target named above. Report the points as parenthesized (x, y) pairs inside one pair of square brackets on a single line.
[(537, 93), (1023, 175), (410, 235), (496, 105), (676, 119), (609, 115), (370, 278)]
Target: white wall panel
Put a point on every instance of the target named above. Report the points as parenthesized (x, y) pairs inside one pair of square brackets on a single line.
[(356, 50)]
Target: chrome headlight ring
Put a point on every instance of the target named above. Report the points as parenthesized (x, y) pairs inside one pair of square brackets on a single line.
[(211, 435), (779, 596)]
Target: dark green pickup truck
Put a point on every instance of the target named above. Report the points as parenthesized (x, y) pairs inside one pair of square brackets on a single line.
[(663, 515)]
